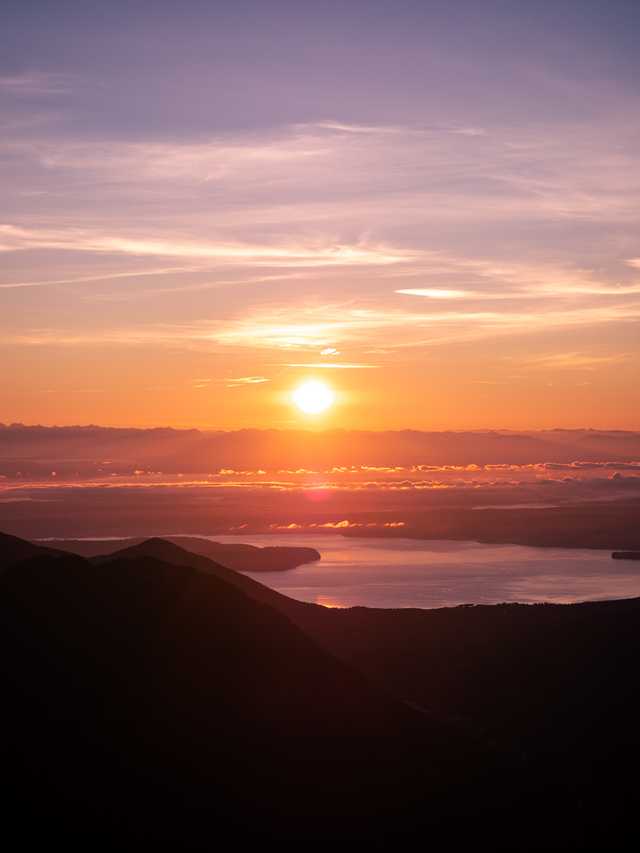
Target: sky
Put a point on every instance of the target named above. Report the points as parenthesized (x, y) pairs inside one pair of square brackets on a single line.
[(432, 207)]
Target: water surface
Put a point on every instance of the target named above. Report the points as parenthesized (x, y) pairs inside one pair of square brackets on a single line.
[(415, 573)]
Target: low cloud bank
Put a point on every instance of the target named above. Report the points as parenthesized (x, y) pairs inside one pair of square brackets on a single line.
[(92, 451)]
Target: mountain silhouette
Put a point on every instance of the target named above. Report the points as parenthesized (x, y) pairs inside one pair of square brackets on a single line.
[(161, 696), (14, 549), (168, 551), (154, 700), (238, 556)]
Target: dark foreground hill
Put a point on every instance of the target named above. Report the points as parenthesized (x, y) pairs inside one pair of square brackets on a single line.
[(148, 703), (14, 550), (157, 697), (555, 684), (238, 556)]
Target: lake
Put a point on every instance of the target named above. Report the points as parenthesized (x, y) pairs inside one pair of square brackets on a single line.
[(415, 573)]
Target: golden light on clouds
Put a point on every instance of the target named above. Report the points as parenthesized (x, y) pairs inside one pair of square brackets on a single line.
[(433, 292)]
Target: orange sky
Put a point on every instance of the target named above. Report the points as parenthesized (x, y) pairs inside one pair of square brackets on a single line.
[(148, 386), (442, 227)]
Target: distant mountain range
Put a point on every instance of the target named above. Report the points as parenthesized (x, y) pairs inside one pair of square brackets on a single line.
[(83, 450), (154, 696)]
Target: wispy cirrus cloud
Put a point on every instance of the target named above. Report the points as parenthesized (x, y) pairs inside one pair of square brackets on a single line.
[(336, 170), (434, 292), (322, 365), (493, 279), (469, 131), (575, 360), (330, 325), (111, 276), (236, 382), (29, 83), (242, 381), (217, 159), (345, 127), (15, 238), (305, 328)]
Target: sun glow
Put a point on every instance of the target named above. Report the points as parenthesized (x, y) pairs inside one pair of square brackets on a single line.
[(313, 397)]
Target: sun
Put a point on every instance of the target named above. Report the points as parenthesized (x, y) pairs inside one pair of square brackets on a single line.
[(313, 397)]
